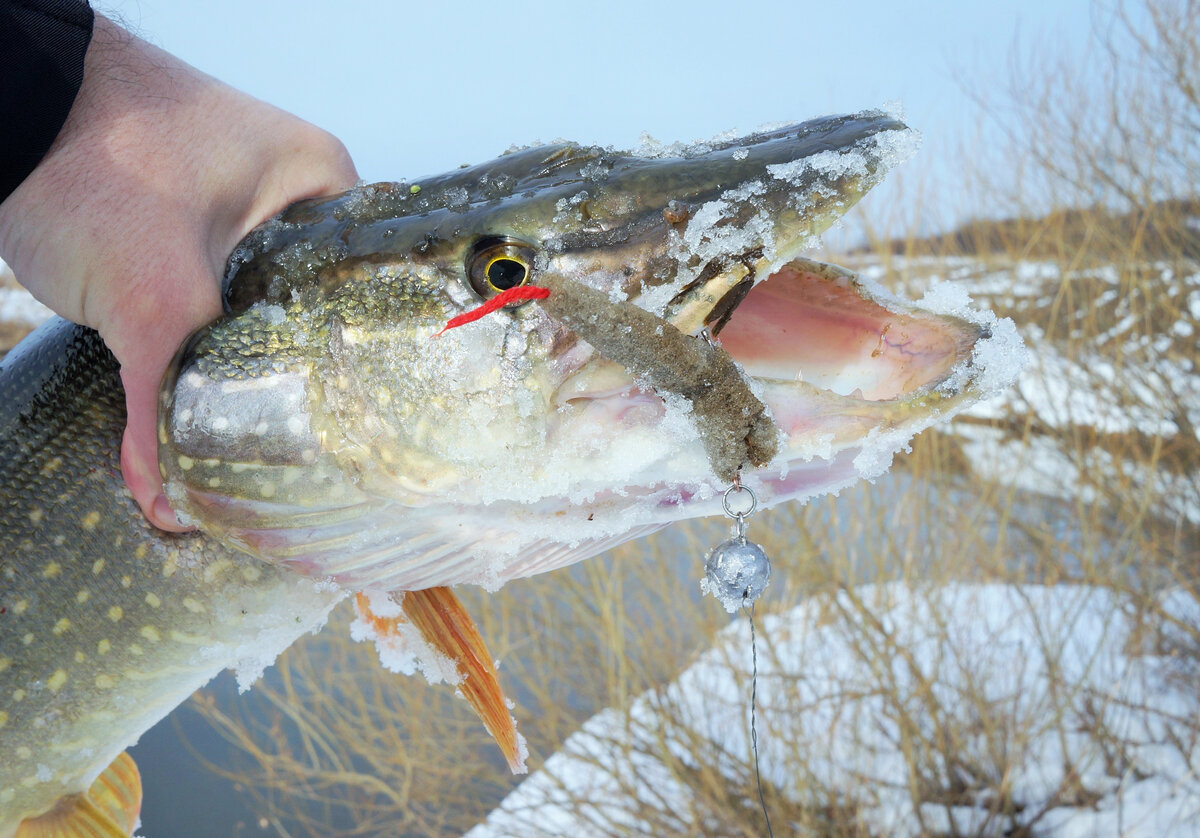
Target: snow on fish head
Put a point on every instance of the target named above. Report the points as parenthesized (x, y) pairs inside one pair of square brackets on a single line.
[(330, 422)]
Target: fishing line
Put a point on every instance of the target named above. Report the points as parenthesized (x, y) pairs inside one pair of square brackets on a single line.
[(762, 801), (736, 572)]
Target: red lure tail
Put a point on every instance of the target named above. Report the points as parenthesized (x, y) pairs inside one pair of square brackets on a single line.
[(520, 292)]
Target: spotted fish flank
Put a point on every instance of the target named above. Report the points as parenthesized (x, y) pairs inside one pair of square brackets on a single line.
[(324, 443), (98, 632)]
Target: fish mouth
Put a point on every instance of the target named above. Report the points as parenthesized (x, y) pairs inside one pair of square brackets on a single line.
[(824, 360), (840, 364)]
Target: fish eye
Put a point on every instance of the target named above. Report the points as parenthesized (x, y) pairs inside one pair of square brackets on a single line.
[(497, 265), (504, 272)]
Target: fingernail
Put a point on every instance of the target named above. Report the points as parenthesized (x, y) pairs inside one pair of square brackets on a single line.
[(165, 517)]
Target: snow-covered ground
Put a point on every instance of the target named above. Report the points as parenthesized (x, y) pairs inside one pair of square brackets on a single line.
[(19, 312), (16, 306), (1080, 726)]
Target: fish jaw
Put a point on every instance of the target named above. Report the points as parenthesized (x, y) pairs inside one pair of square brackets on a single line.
[(848, 372)]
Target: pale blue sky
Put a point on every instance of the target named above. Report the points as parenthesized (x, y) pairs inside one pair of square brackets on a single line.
[(418, 88)]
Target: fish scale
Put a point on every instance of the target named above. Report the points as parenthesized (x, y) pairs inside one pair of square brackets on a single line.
[(107, 623)]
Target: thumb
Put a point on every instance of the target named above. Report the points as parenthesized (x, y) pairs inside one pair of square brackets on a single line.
[(139, 447), (147, 328)]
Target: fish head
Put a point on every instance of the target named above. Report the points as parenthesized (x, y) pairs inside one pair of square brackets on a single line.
[(329, 422)]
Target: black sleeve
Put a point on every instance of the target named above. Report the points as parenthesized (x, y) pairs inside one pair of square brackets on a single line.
[(42, 45)]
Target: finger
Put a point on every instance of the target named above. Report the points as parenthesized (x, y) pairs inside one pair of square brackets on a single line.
[(139, 447)]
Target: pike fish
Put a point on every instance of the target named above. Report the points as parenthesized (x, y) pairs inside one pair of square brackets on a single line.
[(330, 436)]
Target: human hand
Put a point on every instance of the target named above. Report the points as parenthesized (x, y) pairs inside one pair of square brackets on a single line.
[(126, 224)]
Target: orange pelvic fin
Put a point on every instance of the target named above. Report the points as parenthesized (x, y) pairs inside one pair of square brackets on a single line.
[(108, 809), (446, 626)]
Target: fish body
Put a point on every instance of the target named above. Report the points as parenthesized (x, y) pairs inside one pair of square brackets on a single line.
[(107, 623), (328, 435)]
